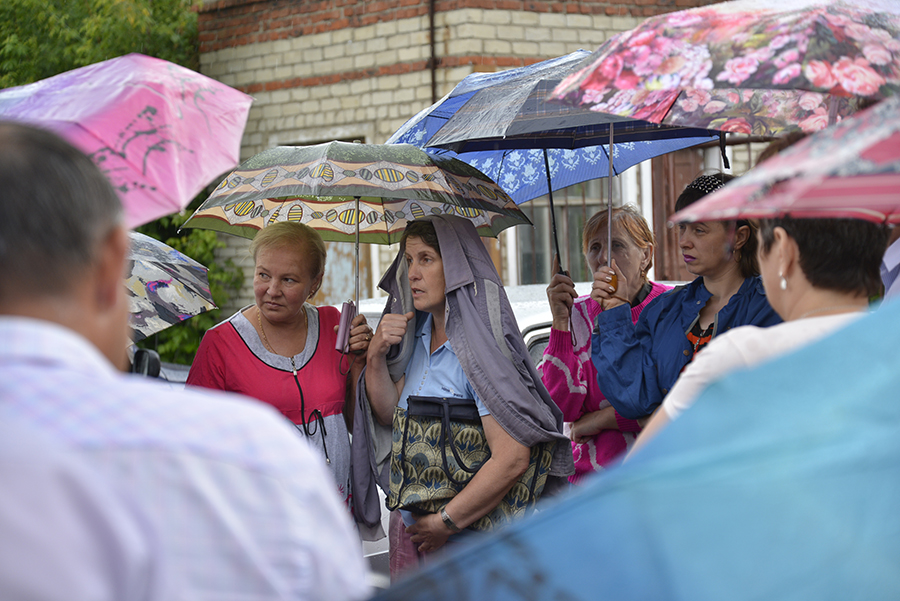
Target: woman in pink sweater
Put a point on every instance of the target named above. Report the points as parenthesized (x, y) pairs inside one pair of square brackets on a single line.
[(599, 434)]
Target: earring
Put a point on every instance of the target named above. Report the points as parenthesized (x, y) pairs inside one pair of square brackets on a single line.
[(783, 283)]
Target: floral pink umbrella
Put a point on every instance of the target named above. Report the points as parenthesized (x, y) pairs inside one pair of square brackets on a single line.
[(160, 132), (759, 67), (850, 170)]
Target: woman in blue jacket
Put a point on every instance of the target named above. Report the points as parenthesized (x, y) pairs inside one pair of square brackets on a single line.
[(638, 363)]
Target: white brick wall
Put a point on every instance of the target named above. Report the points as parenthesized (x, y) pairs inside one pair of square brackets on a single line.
[(371, 109)]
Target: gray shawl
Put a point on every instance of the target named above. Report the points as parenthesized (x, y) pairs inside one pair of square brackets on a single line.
[(483, 332)]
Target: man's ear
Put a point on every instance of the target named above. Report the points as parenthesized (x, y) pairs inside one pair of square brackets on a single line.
[(109, 328), (110, 266)]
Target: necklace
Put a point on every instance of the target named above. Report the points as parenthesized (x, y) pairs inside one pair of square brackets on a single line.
[(265, 338), (263, 331), (832, 308)]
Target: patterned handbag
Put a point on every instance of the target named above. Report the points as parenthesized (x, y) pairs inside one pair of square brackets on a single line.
[(438, 444)]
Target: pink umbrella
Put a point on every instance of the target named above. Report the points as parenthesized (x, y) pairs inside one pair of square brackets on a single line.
[(850, 170), (750, 66), (160, 132)]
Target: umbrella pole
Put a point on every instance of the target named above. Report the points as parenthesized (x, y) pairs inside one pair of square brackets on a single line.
[(553, 214), (356, 265), (609, 191)]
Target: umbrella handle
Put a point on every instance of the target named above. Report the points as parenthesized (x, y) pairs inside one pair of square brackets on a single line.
[(356, 265), (553, 216)]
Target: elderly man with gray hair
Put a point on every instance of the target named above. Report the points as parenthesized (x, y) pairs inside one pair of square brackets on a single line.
[(241, 507)]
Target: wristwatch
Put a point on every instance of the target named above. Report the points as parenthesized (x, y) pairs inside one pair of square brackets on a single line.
[(448, 521)]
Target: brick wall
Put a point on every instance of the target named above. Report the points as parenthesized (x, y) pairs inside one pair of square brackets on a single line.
[(341, 69)]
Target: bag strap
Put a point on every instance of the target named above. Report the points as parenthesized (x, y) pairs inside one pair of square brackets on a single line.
[(402, 464), (447, 441)]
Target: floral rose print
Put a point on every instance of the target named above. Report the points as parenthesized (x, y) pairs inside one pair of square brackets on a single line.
[(800, 67)]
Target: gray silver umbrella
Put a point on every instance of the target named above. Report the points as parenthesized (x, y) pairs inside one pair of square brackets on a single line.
[(164, 286)]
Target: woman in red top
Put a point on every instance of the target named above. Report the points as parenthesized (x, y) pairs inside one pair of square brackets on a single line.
[(281, 350)]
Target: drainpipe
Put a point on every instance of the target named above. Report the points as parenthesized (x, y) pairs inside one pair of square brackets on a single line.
[(432, 61)]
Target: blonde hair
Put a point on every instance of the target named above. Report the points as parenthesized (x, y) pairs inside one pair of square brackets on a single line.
[(296, 236), (631, 221)]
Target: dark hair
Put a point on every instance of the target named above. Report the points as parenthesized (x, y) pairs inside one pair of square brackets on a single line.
[(700, 187), (703, 185), (55, 208), (835, 254), (423, 229)]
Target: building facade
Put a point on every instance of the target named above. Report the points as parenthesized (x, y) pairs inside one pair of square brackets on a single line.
[(357, 70)]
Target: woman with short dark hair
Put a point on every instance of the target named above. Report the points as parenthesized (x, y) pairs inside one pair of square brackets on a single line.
[(819, 275), (457, 339)]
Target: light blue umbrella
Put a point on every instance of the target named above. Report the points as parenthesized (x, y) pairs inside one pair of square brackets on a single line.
[(782, 482)]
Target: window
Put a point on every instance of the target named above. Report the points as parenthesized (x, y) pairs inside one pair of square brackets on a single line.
[(574, 206)]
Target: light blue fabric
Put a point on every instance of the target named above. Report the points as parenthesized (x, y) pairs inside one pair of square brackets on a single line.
[(782, 482), (436, 374)]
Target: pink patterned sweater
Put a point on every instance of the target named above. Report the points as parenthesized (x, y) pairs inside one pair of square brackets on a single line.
[(571, 379)]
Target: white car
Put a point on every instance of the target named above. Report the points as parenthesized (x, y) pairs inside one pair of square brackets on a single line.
[(529, 305)]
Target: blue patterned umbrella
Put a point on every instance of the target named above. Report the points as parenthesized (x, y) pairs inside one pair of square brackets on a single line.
[(500, 124)]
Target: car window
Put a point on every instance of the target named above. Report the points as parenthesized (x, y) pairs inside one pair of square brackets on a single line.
[(536, 346)]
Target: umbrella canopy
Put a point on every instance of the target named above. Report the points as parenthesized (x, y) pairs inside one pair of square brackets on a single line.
[(851, 169), (319, 186), (576, 141), (513, 114), (164, 286), (726, 503), (506, 128), (158, 131), (750, 66)]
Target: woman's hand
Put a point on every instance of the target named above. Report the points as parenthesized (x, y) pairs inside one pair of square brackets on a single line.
[(591, 424), (509, 460), (561, 295), (382, 391), (604, 291), (429, 532), (360, 335), (390, 331)]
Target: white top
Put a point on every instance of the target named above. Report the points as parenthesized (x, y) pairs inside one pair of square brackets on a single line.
[(65, 533), (745, 347), (243, 508)]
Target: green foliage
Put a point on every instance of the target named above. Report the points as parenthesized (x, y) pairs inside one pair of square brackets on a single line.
[(179, 343), (40, 38)]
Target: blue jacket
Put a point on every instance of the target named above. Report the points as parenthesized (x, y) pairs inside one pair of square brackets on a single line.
[(637, 363)]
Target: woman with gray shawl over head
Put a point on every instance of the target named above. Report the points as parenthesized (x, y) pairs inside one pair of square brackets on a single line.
[(449, 331)]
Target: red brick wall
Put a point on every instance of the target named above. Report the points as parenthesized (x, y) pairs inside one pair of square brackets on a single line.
[(230, 23)]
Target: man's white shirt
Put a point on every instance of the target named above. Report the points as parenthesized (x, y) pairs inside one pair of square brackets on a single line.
[(242, 507)]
